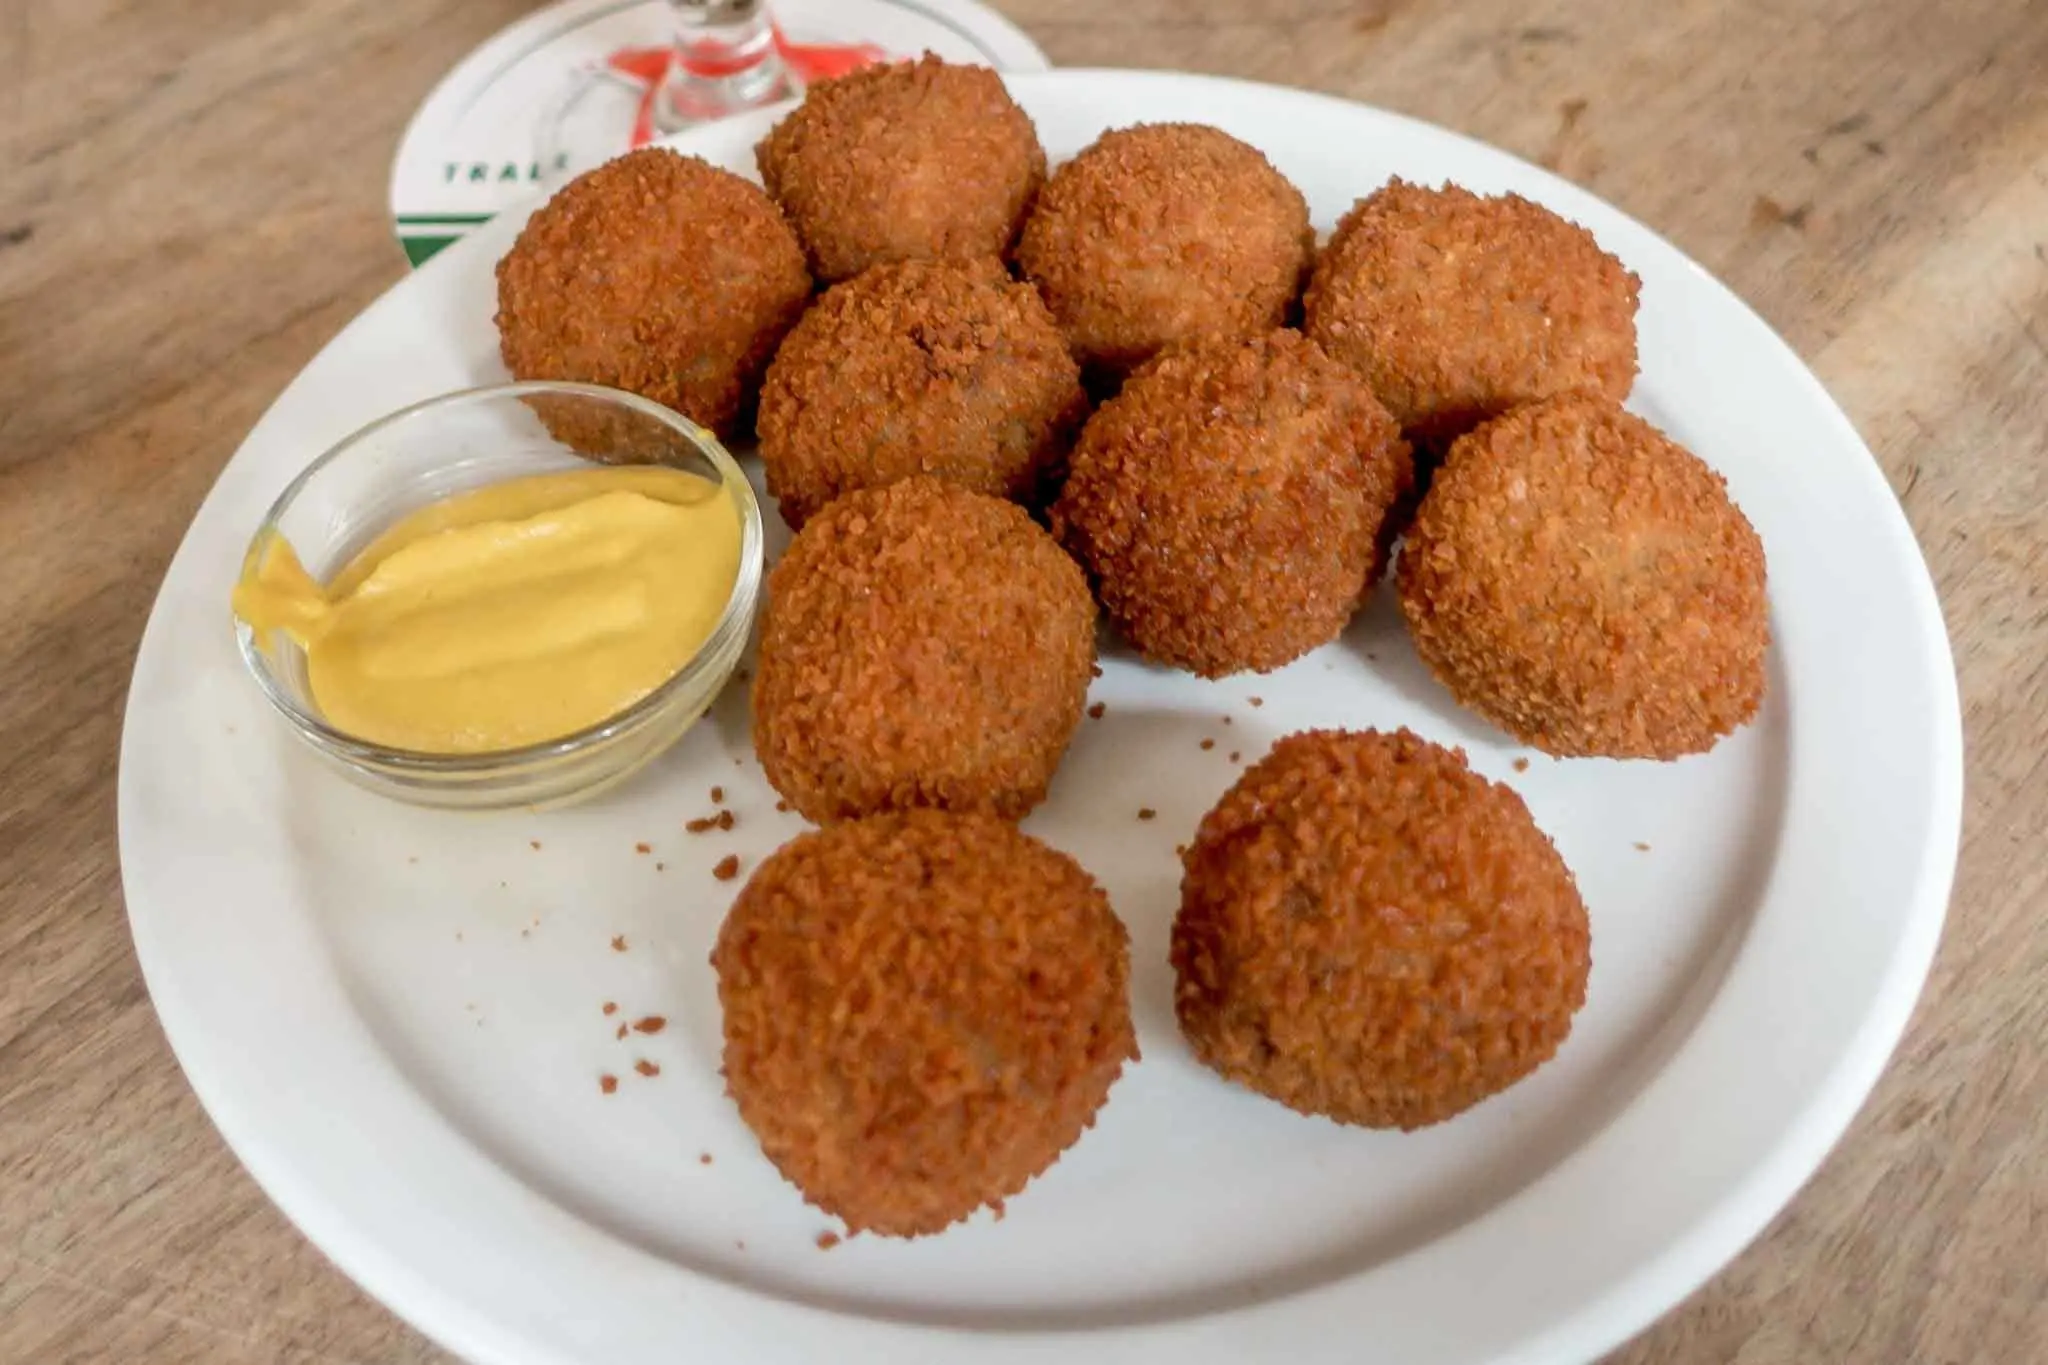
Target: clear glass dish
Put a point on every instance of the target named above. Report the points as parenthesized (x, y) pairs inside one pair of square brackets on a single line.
[(450, 444)]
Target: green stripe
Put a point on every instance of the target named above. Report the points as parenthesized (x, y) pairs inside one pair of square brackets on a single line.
[(418, 249), (444, 219)]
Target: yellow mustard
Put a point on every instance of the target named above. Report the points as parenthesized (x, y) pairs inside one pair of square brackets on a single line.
[(511, 614)]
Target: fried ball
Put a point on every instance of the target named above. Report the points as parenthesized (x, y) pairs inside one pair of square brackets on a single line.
[(912, 161), (1229, 503), (657, 273), (923, 645), (922, 367), (1161, 233), (1584, 583), (1371, 931), (922, 1012), (1458, 307)]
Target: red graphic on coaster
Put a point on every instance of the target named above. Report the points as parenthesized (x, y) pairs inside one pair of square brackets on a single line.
[(648, 67)]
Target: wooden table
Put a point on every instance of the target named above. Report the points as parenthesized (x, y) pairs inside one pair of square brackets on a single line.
[(193, 202)]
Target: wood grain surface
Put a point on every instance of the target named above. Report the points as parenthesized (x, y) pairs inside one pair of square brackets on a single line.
[(192, 200)]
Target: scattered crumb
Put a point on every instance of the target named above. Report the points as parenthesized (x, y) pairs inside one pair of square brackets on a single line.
[(1095, 711), (621, 1033), (526, 933), (703, 1158), (469, 1005), (1521, 765), (412, 857), (743, 674), (458, 936), (608, 1083), (611, 1007), (827, 1240), (661, 867), (700, 824), (653, 1023), (1095, 670), (534, 844), (728, 867), (618, 943), (1226, 720), (502, 886), (718, 796), (1208, 744), (1147, 813), (643, 848), (1180, 850), (645, 1067), (1642, 847), (1258, 701), (736, 762), (782, 807), (1235, 756), (726, 819), (741, 1245)]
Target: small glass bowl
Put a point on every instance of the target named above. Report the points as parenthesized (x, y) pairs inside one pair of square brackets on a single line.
[(464, 440)]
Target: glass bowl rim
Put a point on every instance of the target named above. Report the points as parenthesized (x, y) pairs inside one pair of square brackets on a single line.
[(736, 616)]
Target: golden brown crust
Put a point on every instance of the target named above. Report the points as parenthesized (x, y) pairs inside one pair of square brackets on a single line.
[(1457, 307), (1161, 233), (922, 1011), (912, 161), (656, 273), (1371, 931), (922, 645), (943, 368), (1584, 583), (1229, 503)]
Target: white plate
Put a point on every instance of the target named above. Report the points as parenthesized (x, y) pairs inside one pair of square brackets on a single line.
[(394, 1016)]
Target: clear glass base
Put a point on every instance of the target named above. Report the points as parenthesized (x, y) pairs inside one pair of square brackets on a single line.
[(687, 99), (725, 62)]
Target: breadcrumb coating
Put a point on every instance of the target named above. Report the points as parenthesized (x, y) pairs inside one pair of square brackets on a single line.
[(1585, 583), (1371, 931), (1161, 233), (944, 368), (923, 645), (656, 273), (1230, 504), (1457, 307), (912, 161), (922, 1011)]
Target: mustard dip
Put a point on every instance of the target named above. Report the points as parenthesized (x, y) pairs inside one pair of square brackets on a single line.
[(508, 615)]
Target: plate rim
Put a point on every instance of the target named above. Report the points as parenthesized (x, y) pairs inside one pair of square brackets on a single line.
[(1626, 1304)]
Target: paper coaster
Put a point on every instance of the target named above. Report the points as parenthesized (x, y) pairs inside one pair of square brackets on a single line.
[(573, 84)]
